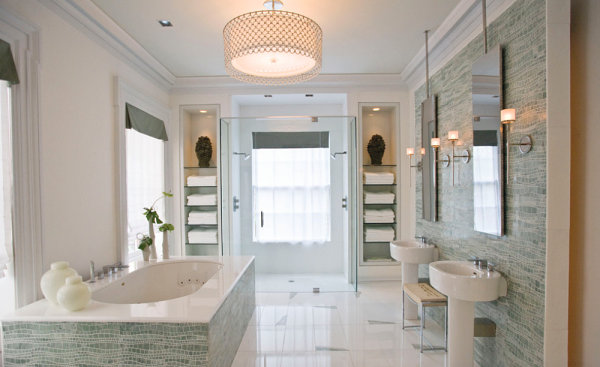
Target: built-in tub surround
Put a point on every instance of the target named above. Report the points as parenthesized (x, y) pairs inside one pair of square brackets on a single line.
[(203, 328), (520, 253)]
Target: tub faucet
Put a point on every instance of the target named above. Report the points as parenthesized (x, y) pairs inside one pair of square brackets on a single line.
[(479, 263), (92, 272)]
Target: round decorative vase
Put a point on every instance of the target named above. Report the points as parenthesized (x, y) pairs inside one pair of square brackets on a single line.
[(376, 147), (74, 295), (165, 245), (203, 151), (153, 255), (54, 278)]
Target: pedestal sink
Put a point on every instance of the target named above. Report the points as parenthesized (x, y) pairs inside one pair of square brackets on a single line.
[(464, 284), (412, 253)]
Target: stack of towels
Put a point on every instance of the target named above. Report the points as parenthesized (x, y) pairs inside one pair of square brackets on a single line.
[(379, 216), (379, 197), (207, 217), (202, 235), (202, 199), (379, 234), (202, 181), (378, 178)]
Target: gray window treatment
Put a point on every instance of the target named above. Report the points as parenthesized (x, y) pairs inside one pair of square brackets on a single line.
[(8, 70), (286, 140), (144, 123)]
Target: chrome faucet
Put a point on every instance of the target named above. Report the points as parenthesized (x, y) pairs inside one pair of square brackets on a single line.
[(110, 269), (92, 272), (423, 241), (479, 263)]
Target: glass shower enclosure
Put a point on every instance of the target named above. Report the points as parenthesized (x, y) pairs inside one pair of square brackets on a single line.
[(288, 197)]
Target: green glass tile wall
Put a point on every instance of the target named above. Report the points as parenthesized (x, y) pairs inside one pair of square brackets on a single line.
[(520, 254)]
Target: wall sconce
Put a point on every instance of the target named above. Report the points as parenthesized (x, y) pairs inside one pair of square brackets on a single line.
[(447, 160), (410, 152), (508, 116)]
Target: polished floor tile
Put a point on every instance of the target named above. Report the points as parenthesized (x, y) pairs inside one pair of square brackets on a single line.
[(303, 329)]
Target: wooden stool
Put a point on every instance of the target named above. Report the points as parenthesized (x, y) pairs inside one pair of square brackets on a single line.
[(425, 296)]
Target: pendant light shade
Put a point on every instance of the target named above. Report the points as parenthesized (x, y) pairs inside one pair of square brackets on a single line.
[(272, 47)]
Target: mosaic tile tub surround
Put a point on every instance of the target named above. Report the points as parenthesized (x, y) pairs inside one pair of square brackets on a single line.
[(520, 254), (163, 343)]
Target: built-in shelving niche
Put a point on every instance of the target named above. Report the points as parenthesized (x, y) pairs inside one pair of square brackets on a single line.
[(197, 121), (384, 122)]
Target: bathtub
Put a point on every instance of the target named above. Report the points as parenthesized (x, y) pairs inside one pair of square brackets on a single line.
[(189, 311)]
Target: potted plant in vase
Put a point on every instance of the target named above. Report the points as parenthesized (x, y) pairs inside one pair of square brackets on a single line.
[(165, 229), (145, 244), (153, 218)]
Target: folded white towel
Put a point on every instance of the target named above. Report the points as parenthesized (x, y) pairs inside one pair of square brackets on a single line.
[(379, 197), (380, 213), (207, 217), (202, 180), (202, 199), (201, 235), (382, 178)]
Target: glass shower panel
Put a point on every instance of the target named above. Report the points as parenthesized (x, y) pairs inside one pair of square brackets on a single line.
[(291, 200)]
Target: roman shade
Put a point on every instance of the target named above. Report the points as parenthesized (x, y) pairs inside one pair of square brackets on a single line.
[(8, 70), (287, 140), (144, 123)]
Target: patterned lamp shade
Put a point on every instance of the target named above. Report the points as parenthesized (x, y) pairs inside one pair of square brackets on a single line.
[(272, 47)]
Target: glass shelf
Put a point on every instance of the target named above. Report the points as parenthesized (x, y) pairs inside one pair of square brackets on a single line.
[(379, 223), (378, 241), (379, 165), (379, 204), (191, 187), (365, 184), (190, 167), (204, 225), (201, 244), (201, 206)]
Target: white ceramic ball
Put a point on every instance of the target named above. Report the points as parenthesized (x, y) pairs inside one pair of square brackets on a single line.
[(74, 295), (54, 278)]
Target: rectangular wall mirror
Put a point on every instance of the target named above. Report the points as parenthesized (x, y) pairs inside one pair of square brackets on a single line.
[(428, 131), (488, 188)]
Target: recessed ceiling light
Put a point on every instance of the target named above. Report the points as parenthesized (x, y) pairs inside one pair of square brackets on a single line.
[(268, 95), (376, 109), (308, 95), (203, 111), (165, 23)]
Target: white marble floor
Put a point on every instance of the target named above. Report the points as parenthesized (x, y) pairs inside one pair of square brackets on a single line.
[(302, 283), (335, 329)]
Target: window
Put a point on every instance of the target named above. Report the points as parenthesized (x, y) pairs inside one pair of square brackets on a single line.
[(291, 195), (145, 183), (7, 290)]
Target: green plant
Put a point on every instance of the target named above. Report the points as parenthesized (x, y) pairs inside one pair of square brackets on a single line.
[(145, 242), (151, 214), (166, 227)]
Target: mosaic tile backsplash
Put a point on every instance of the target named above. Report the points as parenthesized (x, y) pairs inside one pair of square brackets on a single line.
[(67, 344), (520, 253)]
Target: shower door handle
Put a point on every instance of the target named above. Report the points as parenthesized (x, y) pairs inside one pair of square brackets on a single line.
[(262, 219), (345, 202)]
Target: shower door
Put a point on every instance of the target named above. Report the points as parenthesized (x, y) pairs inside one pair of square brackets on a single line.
[(288, 198)]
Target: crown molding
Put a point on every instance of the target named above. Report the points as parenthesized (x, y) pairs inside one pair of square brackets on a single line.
[(86, 16), (461, 26), (322, 81)]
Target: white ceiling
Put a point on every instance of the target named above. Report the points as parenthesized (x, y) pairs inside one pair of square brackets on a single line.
[(359, 36)]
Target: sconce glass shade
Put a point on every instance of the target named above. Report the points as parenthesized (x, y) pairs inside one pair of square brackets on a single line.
[(410, 151), (435, 142), (422, 151), (452, 135), (508, 115), (272, 47)]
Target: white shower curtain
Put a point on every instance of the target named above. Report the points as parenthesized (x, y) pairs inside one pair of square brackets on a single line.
[(291, 187)]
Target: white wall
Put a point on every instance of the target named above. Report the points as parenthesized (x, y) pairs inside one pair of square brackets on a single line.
[(584, 320), (78, 149)]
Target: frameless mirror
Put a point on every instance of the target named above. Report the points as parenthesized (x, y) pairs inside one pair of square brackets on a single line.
[(488, 213), (428, 131)]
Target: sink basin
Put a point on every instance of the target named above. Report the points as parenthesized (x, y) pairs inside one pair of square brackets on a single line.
[(464, 284), (410, 252), (462, 280)]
